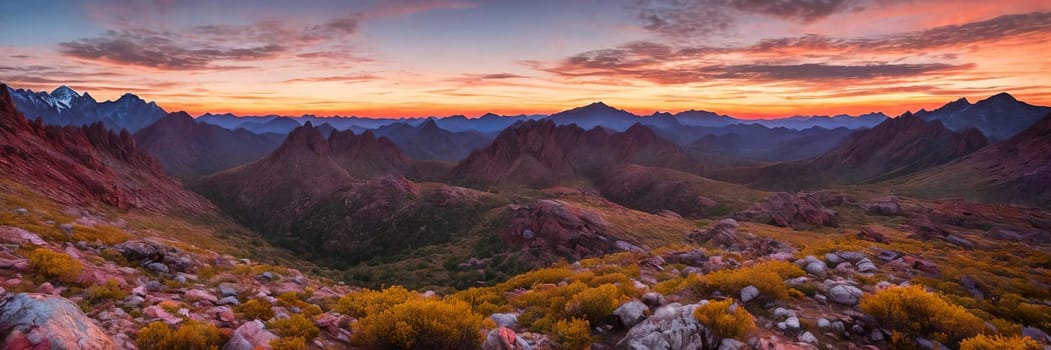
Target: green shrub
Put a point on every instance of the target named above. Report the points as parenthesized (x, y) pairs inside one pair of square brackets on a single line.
[(725, 318), (574, 334), (998, 342), (193, 335), (915, 312), (257, 309), (107, 291), (421, 324), (294, 326), (55, 265)]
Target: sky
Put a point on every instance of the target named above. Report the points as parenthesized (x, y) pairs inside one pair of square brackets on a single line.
[(401, 58)]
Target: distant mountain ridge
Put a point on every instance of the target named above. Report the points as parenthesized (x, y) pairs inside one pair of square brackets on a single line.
[(187, 149), (998, 117), (64, 106), (86, 165)]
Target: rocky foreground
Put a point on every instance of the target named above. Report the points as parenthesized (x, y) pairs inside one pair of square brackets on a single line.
[(904, 282)]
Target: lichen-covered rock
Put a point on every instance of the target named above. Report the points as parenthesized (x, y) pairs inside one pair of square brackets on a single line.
[(671, 327), (631, 313), (846, 295), (37, 321), (250, 336)]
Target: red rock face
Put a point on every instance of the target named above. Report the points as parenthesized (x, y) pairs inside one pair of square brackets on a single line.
[(542, 154), (799, 210), (556, 227), (86, 165)]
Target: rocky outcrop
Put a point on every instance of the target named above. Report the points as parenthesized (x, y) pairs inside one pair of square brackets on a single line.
[(250, 336), (671, 327), (722, 234), (561, 228), (799, 210), (38, 321)]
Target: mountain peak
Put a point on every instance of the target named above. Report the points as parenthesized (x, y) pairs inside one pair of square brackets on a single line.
[(306, 136), (63, 91), (429, 124), (1001, 97)]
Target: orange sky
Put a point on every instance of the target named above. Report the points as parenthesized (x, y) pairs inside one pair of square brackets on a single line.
[(408, 58)]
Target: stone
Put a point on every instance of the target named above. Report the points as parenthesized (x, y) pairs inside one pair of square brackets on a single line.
[(505, 320), (852, 256), (249, 336), (36, 321), (808, 338), (821, 299), (528, 234), (67, 229), (1036, 334), (231, 300), (866, 266), (227, 291), (19, 236), (504, 338), (157, 267), (795, 210), (868, 234), (816, 268), (833, 259), (876, 335), (792, 322), (960, 241), (631, 313), (653, 300), (885, 206), (749, 293), (823, 323), (732, 344), (671, 327), (134, 301), (21, 211), (266, 276), (845, 295), (180, 279)]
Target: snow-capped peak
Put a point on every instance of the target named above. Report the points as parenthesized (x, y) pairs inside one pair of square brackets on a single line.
[(64, 96)]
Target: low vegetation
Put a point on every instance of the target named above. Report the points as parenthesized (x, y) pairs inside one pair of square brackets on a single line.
[(914, 312), (725, 318), (193, 335), (55, 265)]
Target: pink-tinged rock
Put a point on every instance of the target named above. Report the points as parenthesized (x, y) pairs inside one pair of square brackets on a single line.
[(154, 311), (37, 321), (13, 262), (140, 291), (250, 336), (19, 236), (46, 288), (199, 295)]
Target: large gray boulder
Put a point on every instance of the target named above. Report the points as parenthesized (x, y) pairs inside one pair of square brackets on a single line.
[(671, 327), (40, 321), (631, 313), (249, 336), (846, 295)]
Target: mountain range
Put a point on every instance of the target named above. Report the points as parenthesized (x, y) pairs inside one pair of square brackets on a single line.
[(64, 106)]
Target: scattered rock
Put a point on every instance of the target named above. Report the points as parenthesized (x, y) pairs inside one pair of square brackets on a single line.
[(816, 268), (19, 236), (21, 211), (66, 229), (846, 295), (865, 265), (36, 321), (808, 338), (749, 293), (792, 323), (266, 276), (249, 336), (1036, 334), (823, 323), (790, 210), (868, 234), (959, 241), (505, 320), (227, 291), (230, 300), (504, 338), (722, 234), (157, 267), (653, 300), (732, 344), (631, 313)]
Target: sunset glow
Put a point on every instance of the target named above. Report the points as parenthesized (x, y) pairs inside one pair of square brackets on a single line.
[(422, 58)]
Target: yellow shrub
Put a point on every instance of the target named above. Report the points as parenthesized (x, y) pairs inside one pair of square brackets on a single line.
[(997, 342), (767, 276), (293, 343), (421, 324), (107, 291), (531, 278), (725, 318), (294, 326), (486, 301), (574, 334), (593, 304), (193, 335), (366, 301), (257, 309), (56, 265), (915, 312)]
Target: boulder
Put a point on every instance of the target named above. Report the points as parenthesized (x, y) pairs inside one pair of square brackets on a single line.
[(749, 293), (885, 206), (36, 321), (845, 295), (868, 234), (631, 313), (671, 327), (808, 338), (816, 268), (722, 234), (865, 265), (9, 234), (505, 320), (504, 338), (799, 210), (250, 336)]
